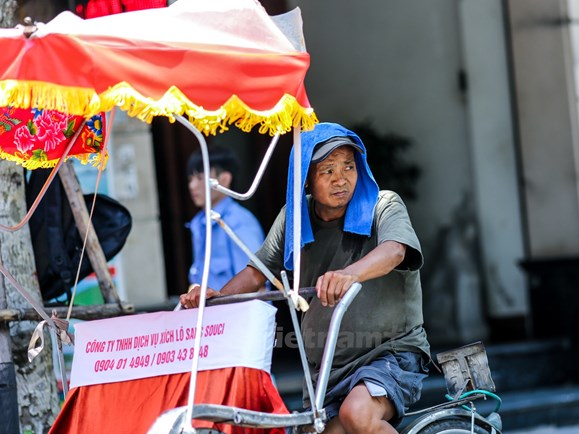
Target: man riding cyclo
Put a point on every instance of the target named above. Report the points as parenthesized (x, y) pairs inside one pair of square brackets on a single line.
[(351, 232)]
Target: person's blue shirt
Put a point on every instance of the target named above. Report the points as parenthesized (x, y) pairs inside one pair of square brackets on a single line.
[(227, 258)]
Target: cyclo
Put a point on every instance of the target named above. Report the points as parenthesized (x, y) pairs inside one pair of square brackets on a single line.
[(466, 372)]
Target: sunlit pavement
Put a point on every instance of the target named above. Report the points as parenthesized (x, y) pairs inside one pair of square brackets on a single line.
[(547, 430)]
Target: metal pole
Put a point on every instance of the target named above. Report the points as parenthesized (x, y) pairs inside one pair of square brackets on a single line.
[(85, 228), (249, 193), (205, 276)]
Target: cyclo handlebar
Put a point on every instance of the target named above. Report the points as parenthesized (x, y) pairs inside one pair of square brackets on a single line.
[(333, 330), (273, 295)]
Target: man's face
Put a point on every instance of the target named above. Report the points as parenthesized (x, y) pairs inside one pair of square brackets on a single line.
[(197, 188), (332, 183)]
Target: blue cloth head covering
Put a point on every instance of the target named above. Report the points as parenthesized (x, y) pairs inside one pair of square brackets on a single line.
[(360, 211)]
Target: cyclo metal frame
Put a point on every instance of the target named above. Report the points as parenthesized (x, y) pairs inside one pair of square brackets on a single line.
[(176, 418), (180, 419)]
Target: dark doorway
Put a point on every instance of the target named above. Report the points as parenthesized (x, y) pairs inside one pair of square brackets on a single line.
[(173, 144)]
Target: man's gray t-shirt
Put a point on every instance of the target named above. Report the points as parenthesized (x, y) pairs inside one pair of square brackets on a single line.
[(386, 307)]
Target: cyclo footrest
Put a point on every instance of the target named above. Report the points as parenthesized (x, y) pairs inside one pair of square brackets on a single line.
[(250, 418)]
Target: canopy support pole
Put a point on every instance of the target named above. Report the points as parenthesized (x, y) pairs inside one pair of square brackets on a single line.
[(94, 250), (188, 428)]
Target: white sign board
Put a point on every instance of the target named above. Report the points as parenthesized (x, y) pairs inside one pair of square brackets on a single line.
[(147, 345)]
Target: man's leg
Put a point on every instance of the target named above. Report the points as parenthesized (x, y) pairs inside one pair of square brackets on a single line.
[(361, 413), (334, 427)]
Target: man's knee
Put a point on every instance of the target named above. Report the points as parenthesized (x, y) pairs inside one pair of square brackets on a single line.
[(352, 416), (360, 412), (366, 415)]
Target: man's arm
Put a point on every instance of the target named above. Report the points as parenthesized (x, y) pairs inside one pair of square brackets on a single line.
[(332, 285), (247, 280)]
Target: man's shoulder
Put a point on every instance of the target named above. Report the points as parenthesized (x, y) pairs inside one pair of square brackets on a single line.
[(387, 197)]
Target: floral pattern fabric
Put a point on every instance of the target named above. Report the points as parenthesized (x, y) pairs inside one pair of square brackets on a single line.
[(38, 138)]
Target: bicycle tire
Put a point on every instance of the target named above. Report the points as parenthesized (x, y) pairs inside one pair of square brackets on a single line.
[(452, 426)]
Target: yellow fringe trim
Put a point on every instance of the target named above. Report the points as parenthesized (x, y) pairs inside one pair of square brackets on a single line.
[(287, 113), (29, 163)]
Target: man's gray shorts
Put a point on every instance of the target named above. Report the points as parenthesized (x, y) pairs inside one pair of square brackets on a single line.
[(397, 376)]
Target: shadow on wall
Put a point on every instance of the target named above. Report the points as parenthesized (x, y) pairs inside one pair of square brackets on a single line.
[(452, 282), (452, 275), (387, 162)]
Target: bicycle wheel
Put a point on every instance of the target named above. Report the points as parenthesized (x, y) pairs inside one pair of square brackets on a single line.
[(452, 426)]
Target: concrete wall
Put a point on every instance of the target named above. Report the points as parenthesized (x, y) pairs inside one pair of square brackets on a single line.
[(131, 173), (547, 116), (493, 156), (396, 64)]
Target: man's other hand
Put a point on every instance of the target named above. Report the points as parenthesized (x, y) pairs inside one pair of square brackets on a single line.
[(191, 299)]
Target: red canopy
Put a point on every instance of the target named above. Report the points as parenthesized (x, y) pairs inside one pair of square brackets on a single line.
[(218, 62)]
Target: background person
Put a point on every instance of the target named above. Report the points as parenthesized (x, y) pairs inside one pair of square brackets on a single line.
[(227, 258), (351, 232)]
